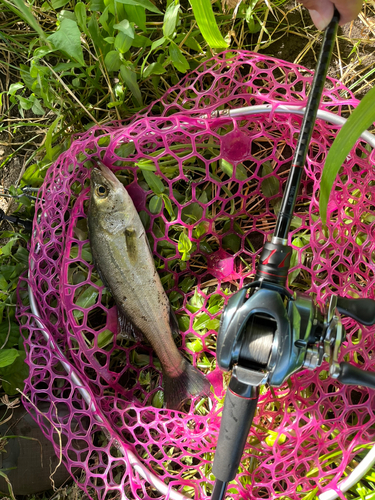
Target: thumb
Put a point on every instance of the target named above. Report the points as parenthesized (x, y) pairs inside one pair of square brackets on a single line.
[(322, 16)]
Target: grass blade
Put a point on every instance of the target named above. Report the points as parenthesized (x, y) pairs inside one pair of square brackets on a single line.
[(206, 21), (23, 10), (359, 121)]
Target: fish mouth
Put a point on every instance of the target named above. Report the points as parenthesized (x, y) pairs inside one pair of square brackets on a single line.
[(101, 172)]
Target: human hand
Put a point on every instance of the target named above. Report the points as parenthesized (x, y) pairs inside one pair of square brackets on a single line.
[(321, 11)]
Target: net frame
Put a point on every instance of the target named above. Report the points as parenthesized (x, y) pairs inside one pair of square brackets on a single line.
[(43, 358)]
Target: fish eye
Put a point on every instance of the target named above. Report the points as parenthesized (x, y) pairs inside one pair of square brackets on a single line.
[(101, 191)]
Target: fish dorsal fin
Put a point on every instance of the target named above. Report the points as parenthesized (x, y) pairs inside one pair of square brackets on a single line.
[(125, 327)]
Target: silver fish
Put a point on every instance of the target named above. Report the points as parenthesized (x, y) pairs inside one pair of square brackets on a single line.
[(123, 258)]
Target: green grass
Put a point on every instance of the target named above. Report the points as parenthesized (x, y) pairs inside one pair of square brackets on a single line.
[(68, 65)]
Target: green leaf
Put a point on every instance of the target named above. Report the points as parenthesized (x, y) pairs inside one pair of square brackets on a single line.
[(125, 27), (9, 334), (232, 242), (143, 3), (13, 87), (66, 14), (178, 59), (7, 248), (48, 142), (57, 4), (299, 243), (274, 437), (252, 25), (197, 300), (170, 18), (123, 42), (359, 121), (67, 39), (14, 375), (206, 21), (158, 399), (3, 283), (156, 204), (97, 6), (80, 12), (130, 79), (95, 33), (125, 149), (86, 299), (184, 246), (249, 17), (226, 167), (186, 284), (105, 338), (154, 182), (183, 322), (42, 52), (37, 108), (157, 43), (195, 346), (190, 41), (136, 14), (7, 271), (269, 186), (7, 357), (22, 255), (24, 11), (112, 61), (168, 205), (141, 41), (155, 68)]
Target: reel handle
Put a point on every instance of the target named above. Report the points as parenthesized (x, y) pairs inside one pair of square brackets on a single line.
[(362, 310), (352, 375), (238, 413)]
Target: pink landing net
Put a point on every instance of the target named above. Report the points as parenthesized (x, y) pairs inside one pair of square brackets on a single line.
[(227, 213)]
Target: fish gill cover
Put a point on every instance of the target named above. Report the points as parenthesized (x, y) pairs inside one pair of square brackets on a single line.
[(207, 192)]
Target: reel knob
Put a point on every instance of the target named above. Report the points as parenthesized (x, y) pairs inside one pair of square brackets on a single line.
[(362, 310)]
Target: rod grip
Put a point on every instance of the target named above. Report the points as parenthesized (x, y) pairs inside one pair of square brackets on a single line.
[(238, 413)]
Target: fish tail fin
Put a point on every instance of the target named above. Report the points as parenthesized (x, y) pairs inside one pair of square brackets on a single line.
[(177, 389)]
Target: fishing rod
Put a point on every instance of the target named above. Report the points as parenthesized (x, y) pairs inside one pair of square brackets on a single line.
[(266, 334)]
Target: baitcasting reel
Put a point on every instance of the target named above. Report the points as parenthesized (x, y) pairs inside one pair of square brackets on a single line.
[(266, 334)]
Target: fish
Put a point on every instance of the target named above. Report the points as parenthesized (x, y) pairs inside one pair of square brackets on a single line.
[(124, 261)]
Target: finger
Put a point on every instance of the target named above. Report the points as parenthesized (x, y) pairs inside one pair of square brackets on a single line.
[(349, 9), (322, 17), (321, 12)]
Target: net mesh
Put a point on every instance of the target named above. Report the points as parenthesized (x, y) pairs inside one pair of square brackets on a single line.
[(223, 180)]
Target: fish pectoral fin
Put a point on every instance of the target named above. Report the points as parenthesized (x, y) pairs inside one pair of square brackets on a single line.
[(131, 244), (126, 329), (130, 232)]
